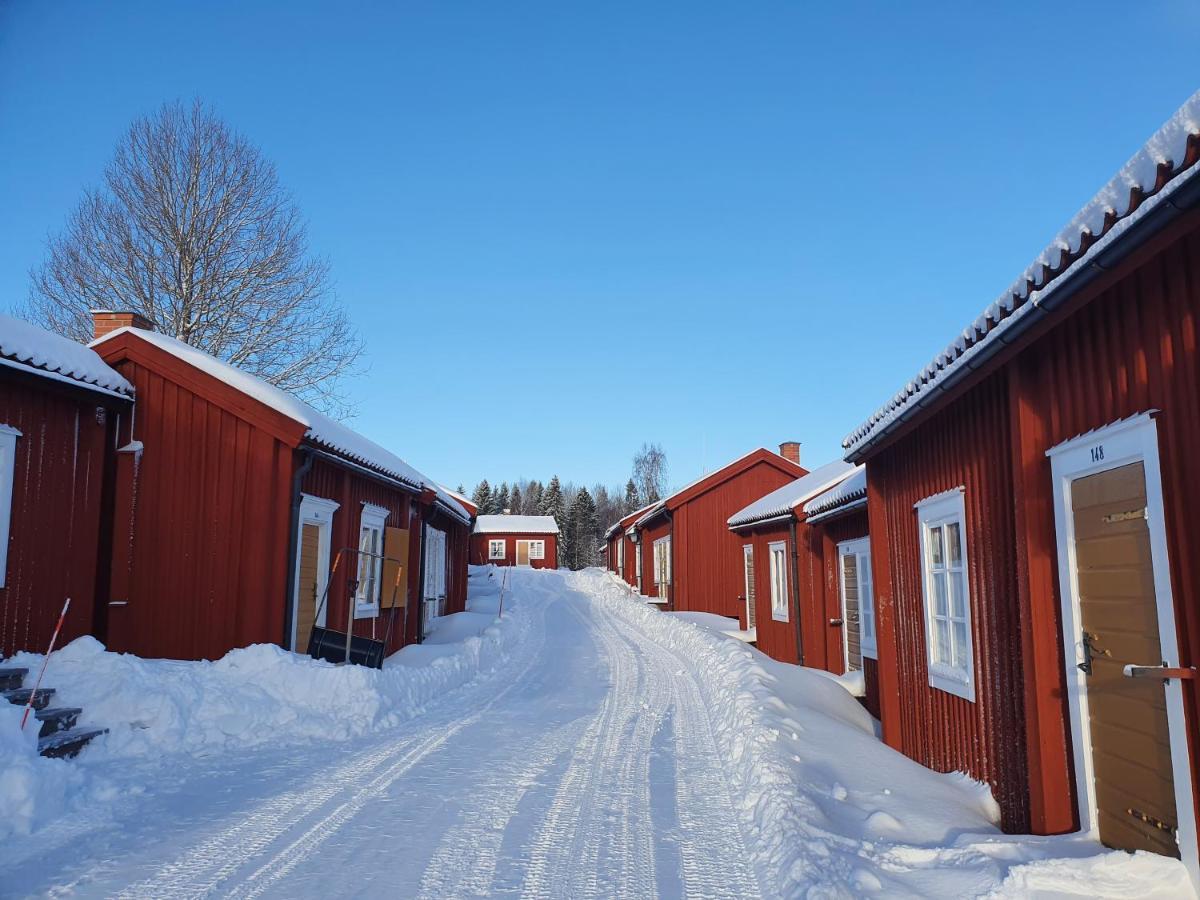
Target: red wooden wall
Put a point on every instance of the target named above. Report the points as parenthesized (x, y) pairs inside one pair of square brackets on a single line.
[(57, 507), (656, 530), (479, 549), (1127, 344)]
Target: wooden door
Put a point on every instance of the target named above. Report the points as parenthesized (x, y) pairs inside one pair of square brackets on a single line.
[(522, 553), (308, 596), (1127, 717), (851, 618), (748, 566)]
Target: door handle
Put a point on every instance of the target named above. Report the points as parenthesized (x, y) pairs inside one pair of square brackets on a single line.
[(836, 623), (1090, 652)]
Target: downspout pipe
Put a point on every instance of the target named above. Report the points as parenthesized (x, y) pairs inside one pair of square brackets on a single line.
[(796, 592), (671, 563), (294, 544)]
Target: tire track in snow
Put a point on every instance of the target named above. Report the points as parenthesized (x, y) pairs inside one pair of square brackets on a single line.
[(200, 870)]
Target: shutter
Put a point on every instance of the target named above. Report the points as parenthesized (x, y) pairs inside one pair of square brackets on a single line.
[(395, 547)]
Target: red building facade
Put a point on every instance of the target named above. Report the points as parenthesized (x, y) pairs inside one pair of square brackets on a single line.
[(506, 540)]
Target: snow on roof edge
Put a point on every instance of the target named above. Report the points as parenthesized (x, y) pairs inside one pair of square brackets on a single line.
[(1111, 207), (785, 499), (41, 352), (850, 488), (510, 524)]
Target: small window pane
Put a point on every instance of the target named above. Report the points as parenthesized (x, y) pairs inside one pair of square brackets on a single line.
[(960, 645), (943, 641), (939, 593), (935, 546), (959, 586), (954, 543)]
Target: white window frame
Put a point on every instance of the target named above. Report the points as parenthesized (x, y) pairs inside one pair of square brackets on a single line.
[(8, 468), (493, 543), (777, 558), (621, 555), (370, 570), (860, 549), (665, 568), (313, 511), (537, 550), (637, 552), (934, 512)]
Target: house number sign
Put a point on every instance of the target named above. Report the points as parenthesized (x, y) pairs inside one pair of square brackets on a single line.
[(1098, 453)]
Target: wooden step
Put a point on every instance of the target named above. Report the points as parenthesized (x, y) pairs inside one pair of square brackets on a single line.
[(11, 678), (41, 698), (58, 718), (65, 744)]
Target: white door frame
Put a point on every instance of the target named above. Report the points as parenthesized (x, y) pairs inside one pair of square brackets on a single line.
[(313, 511), (855, 547), (1123, 443), (748, 553)]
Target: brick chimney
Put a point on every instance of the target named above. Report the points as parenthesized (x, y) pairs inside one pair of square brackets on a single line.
[(790, 450), (106, 321)]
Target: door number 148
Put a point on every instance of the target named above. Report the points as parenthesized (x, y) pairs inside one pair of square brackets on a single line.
[(1098, 453)]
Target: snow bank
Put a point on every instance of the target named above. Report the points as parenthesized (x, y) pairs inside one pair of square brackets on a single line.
[(830, 811), (252, 696)]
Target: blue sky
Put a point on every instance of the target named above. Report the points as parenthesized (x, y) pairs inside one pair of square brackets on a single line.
[(572, 229)]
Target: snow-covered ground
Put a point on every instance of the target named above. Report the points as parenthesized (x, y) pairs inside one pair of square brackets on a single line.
[(584, 745)]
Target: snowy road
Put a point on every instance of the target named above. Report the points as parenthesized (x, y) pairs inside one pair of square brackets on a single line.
[(585, 765)]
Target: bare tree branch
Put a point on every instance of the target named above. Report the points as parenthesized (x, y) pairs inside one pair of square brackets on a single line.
[(192, 230)]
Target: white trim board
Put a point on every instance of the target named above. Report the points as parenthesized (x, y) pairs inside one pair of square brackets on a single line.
[(313, 511), (1123, 443)]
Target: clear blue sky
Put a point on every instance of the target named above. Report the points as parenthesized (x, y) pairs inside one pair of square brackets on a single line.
[(567, 229)]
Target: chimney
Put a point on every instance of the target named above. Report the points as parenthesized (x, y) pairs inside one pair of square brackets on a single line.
[(790, 450), (106, 321)]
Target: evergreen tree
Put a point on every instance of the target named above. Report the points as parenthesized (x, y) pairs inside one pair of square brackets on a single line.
[(533, 498), (460, 489), (503, 499), (552, 505), (585, 530), (516, 501), (482, 497), (632, 501)]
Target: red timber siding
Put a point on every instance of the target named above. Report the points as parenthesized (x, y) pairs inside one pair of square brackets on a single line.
[(200, 531), (1126, 344), (708, 575), (479, 549), (776, 639), (660, 528), (58, 522)]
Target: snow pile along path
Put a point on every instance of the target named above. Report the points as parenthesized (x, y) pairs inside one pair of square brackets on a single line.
[(829, 810)]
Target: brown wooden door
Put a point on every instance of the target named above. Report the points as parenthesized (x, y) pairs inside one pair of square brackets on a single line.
[(522, 553), (851, 624), (1127, 717), (307, 599)]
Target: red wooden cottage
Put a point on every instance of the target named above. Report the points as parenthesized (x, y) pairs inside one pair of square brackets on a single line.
[(60, 408), (1032, 503), (622, 553), (234, 502), (685, 555), (506, 540)]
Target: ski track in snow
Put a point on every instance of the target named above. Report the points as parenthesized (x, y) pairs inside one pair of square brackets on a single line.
[(557, 801)]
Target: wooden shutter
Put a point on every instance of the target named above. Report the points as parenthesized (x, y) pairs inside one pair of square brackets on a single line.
[(395, 547)]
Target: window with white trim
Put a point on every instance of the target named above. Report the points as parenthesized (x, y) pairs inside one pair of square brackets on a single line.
[(621, 553), (662, 562), (777, 553), (8, 461), (537, 549), (370, 561), (637, 564), (497, 548), (948, 641)]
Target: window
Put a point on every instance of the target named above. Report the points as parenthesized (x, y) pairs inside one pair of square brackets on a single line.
[(537, 549), (637, 563), (621, 553), (779, 595), (858, 602), (947, 595), (8, 457), (662, 562), (370, 561), (497, 548)]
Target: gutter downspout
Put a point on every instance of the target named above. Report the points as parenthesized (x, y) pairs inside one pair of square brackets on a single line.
[(671, 563), (294, 545), (796, 592)]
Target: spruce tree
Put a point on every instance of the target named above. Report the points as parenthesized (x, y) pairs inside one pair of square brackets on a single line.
[(482, 498), (503, 499), (516, 500), (632, 501), (460, 489), (552, 505), (585, 530), (533, 498)]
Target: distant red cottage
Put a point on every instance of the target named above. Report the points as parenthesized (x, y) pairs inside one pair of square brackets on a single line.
[(244, 515), (515, 541), (60, 409), (1033, 500), (685, 555)]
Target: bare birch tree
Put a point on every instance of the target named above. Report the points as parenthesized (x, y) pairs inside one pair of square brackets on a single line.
[(192, 229), (650, 472)]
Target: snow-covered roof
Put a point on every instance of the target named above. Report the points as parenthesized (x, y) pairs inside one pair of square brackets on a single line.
[(629, 517), (782, 501), (516, 525), (321, 429), (849, 490), (33, 349), (464, 502), (1161, 167)]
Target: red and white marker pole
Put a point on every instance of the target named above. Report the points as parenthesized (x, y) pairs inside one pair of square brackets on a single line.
[(42, 671)]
